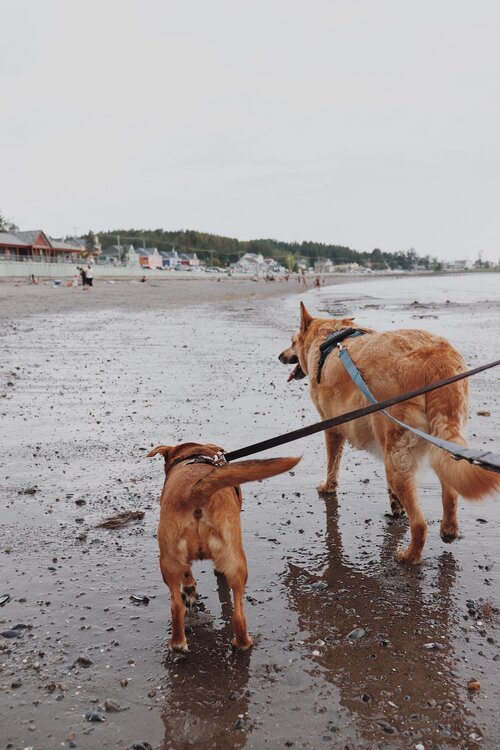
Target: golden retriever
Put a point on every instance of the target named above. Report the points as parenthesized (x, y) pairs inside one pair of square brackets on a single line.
[(391, 363), (200, 519)]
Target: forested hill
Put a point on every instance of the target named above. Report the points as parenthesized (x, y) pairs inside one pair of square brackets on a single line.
[(220, 251)]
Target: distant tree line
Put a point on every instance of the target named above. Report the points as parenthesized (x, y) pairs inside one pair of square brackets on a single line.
[(220, 251)]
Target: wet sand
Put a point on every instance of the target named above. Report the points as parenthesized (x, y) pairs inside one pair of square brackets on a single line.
[(88, 382)]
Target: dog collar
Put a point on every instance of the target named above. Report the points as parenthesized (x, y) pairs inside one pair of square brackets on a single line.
[(217, 460)]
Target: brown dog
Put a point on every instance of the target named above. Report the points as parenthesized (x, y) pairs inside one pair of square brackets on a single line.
[(391, 363), (200, 519)]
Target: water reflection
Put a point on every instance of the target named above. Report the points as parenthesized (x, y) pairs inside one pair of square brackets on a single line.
[(391, 682), (207, 693)]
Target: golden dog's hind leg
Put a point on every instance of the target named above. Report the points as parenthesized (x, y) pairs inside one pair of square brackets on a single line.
[(449, 522), (402, 484), (189, 593), (334, 446)]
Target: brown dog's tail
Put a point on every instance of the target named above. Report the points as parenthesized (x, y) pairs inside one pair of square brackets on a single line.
[(446, 411), (231, 475)]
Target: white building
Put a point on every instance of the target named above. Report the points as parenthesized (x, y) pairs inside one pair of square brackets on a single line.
[(250, 263)]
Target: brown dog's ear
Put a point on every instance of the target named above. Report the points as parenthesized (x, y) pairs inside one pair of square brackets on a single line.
[(163, 449), (305, 318)]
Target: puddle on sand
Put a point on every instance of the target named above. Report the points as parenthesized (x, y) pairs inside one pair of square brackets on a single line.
[(92, 391)]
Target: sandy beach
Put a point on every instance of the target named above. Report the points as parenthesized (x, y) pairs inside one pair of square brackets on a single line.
[(88, 383)]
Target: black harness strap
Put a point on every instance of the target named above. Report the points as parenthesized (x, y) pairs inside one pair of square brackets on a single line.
[(330, 343)]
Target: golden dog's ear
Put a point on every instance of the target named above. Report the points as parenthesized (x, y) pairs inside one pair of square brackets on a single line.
[(163, 449), (305, 318)]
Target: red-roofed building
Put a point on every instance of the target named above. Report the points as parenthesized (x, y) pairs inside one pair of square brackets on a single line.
[(35, 245)]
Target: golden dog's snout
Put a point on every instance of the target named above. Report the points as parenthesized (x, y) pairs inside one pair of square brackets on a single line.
[(290, 359)]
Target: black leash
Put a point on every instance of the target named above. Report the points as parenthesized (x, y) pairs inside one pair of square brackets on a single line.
[(486, 459)]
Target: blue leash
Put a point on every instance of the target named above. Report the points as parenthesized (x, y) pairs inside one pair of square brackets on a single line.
[(457, 451)]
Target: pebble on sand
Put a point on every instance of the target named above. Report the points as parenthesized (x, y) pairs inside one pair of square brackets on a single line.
[(356, 634), (473, 685), (95, 716)]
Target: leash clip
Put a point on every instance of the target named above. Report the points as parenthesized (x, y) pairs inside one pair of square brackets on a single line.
[(219, 459)]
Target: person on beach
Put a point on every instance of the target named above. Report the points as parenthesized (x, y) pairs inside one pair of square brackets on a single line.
[(89, 274), (84, 277)]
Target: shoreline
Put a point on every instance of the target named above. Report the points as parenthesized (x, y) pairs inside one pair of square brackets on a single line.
[(20, 299)]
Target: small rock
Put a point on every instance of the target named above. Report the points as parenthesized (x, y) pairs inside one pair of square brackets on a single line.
[(241, 724), (388, 729), (31, 491), (4, 598), (483, 414), (473, 684), (433, 646), (141, 746), (111, 706), (95, 716), (13, 633), (83, 661), (16, 684), (140, 598), (356, 634), (319, 586)]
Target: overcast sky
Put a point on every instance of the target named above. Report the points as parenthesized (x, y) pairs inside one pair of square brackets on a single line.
[(368, 123)]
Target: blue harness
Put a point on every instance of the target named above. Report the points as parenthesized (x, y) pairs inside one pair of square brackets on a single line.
[(457, 451)]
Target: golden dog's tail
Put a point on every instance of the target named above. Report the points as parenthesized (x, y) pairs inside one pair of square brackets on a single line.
[(446, 412), (231, 475)]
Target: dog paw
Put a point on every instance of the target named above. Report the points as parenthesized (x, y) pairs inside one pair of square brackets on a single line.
[(180, 647), (397, 509), (327, 488), (189, 596), (242, 644), (449, 534), (409, 556)]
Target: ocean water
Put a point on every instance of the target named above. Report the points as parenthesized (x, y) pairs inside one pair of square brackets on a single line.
[(457, 288)]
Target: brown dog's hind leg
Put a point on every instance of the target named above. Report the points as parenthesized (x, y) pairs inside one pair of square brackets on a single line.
[(234, 567), (241, 640), (449, 522), (189, 593), (177, 640), (334, 443)]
